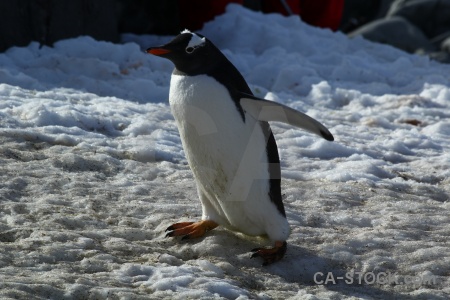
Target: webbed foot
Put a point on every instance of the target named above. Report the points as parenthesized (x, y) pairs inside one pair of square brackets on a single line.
[(270, 255), (191, 230)]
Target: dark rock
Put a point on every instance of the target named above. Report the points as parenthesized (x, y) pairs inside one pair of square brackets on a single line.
[(395, 31), (357, 13), (441, 56), (431, 16), (445, 45)]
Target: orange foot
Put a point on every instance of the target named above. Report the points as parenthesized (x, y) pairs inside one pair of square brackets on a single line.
[(270, 255), (191, 230)]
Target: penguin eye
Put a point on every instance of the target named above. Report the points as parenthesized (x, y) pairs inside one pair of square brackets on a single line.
[(190, 49)]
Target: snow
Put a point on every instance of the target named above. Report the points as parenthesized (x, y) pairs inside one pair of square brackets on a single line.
[(92, 170)]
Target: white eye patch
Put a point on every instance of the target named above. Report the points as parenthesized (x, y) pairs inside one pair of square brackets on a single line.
[(195, 42)]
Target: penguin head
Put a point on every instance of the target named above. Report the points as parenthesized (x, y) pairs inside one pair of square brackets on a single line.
[(191, 53)]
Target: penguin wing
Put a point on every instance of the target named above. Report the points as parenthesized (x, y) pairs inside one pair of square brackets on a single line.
[(265, 110)]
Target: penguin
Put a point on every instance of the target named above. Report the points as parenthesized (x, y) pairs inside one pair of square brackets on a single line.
[(229, 144)]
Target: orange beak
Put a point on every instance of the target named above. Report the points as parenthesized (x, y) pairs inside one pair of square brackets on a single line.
[(157, 51)]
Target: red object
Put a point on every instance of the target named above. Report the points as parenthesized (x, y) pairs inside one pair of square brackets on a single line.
[(271, 6), (321, 13), (194, 13)]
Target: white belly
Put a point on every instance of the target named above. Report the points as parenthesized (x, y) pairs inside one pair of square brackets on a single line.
[(227, 156)]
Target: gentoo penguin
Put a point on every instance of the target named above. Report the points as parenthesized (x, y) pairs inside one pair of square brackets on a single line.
[(229, 145)]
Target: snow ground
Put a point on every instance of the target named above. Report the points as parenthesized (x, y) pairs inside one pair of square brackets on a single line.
[(92, 171)]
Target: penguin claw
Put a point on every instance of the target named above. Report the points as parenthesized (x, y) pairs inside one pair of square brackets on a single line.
[(190, 230), (178, 225), (186, 237), (270, 255)]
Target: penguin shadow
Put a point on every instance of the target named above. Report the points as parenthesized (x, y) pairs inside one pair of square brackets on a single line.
[(307, 268), (301, 266)]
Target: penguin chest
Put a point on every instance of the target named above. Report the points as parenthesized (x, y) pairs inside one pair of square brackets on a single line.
[(227, 156), (225, 153)]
